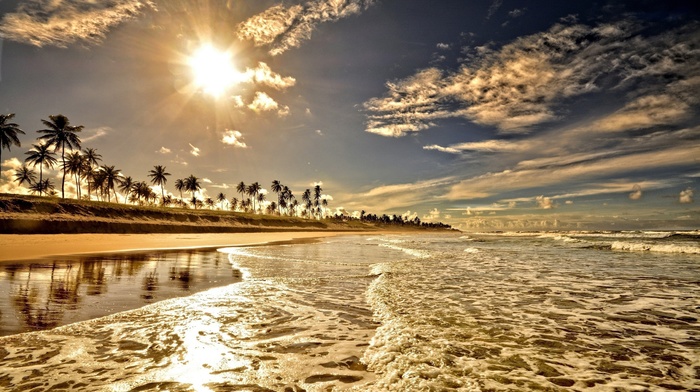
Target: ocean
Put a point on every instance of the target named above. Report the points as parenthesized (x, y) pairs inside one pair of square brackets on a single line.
[(448, 311)]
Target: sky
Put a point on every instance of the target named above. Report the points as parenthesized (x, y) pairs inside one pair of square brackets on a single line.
[(486, 115)]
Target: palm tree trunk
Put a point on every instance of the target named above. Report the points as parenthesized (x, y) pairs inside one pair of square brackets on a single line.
[(63, 183), (77, 183), (41, 175)]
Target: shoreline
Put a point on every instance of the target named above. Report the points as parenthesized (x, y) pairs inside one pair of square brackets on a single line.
[(23, 247)]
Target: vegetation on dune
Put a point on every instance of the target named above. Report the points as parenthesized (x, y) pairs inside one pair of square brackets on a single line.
[(105, 182)]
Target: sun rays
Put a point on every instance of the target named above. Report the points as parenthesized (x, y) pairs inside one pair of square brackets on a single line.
[(212, 70)]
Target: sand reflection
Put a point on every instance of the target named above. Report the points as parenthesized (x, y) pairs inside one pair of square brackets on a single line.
[(44, 294)]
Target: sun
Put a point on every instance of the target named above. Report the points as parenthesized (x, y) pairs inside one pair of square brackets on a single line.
[(213, 70)]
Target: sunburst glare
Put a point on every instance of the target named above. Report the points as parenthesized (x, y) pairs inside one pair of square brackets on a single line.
[(213, 70)]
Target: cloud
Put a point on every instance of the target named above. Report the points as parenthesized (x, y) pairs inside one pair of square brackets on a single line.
[(482, 146), (7, 177), (164, 150), (552, 172), (686, 196), (237, 101), (233, 138), (493, 8), (95, 134), (516, 13), (644, 112), (281, 28), (397, 196), (63, 22), (545, 203), (195, 150), (410, 106), (263, 103), (284, 111), (265, 76), (432, 215), (636, 192), (443, 46), (409, 216), (531, 80)]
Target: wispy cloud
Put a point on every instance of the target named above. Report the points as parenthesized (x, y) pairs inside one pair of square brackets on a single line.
[(164, 151), (493, 8), (483, 146), (195, 151), (94, 134), (395, 196), (281, 28), (63, 22), (530, 81), (534, 176)]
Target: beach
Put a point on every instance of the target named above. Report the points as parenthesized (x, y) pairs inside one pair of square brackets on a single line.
[(395, 312), (23, 247)]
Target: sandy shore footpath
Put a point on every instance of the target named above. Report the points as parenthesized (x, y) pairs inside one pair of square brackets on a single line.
[(23, 247)]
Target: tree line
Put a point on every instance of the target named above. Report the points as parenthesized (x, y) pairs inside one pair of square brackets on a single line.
[(103, 181)]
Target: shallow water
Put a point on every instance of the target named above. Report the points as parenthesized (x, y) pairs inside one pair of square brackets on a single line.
[(43, 294), (428, 312)]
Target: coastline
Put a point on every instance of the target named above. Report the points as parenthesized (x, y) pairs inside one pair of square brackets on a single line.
[(16, 247)]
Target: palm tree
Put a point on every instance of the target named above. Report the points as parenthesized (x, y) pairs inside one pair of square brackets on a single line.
[(168, 200), (252, 191), (61, 134), (234, 204), (90, 159), (317, 197), (126, 186), (306, 198), (159, 177), (40, 155), (246, 204), (241, 188), (261, 200), (25, 174), (179, 186), (44, 186), (8, 134), (221, 198), (111, 179), (73, 164), (324, 203), (287, 197), (192, 185), (209, 202), (277, 188), (293, 207), (98, 182), (140, 190)]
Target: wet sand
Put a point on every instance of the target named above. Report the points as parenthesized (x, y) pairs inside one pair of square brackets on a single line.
[(24, 247)]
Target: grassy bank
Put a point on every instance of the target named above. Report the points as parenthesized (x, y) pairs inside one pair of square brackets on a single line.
[(21, 214)]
